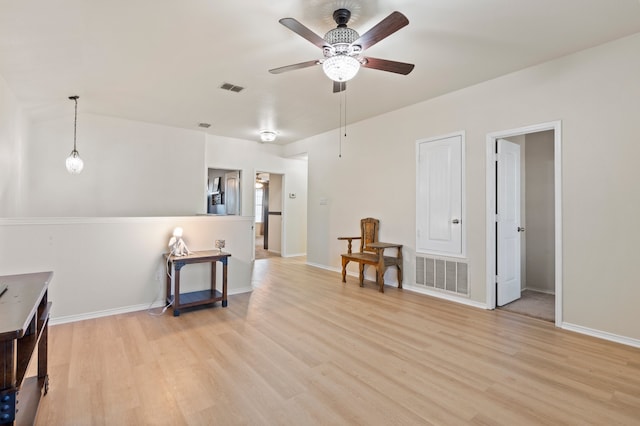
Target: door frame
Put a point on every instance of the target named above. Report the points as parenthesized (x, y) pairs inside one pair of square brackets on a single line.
[(491, 196)]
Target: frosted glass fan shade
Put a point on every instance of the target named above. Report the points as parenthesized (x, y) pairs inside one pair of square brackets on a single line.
[(74, 163), (341, 67)]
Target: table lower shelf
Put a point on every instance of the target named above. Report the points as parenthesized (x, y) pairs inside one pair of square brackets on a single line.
[(197, 298), (28, 399)]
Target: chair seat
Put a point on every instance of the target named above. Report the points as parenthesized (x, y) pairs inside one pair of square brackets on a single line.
[(370, 258)]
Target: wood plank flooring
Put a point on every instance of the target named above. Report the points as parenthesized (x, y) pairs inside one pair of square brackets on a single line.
[(305, 349)]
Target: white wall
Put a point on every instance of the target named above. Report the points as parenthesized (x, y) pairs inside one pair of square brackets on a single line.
[(104, 266), (12, 134), (596, 94), (249, 158), (130, 169)]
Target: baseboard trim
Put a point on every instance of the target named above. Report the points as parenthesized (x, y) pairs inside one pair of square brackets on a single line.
[(325, 267), (601, 334), (447, 296), (295, 255), (123, 310), (537, 290)]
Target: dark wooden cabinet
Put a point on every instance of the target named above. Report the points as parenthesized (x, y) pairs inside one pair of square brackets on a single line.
[(24, 324)]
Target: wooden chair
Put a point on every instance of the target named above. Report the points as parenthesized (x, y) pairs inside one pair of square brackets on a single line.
[(371, 253)]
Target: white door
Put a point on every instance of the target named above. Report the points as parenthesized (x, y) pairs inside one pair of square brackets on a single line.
[(439, 222), (508, 222)]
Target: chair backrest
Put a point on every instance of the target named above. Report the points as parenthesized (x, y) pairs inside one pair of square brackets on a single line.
[(368, 233)]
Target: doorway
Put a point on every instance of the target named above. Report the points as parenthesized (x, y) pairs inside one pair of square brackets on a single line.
[(268, 215), (524, 244)]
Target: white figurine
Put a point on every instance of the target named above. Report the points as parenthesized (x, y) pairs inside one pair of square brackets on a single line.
[(177, 246)]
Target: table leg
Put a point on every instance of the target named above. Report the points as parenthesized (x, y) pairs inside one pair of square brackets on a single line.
[(399, 266), (176, 290), (213, 278), (224, 282), (168, 280)]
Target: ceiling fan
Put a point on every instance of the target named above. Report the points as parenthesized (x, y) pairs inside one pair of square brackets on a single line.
[(343, 48)]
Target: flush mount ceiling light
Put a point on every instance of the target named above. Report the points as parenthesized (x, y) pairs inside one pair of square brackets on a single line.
[(74, 163), (267, 135)]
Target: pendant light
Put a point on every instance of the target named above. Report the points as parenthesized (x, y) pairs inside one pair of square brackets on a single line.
[(74, 162)]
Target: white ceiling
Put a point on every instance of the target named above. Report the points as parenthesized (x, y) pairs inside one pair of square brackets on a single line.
[(162, 61)]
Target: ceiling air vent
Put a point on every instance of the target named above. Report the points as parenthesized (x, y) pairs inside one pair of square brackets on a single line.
[(231, 87), (204, 125)]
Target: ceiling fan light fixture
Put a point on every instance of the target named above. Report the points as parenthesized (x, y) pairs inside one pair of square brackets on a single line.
[(341, 67), (268, 135), (342, 35)]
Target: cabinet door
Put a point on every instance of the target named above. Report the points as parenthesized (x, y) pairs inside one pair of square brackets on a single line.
[(439, 208)]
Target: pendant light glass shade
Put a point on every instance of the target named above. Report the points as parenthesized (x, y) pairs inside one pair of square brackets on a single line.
[(341, 67), (74, 163)]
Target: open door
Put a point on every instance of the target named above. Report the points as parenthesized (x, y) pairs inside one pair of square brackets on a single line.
[(508, 227)]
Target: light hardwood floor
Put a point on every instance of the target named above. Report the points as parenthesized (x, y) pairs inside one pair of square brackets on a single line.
[(303, 349)]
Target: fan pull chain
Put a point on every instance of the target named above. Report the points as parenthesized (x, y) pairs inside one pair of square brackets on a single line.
[(343, 120), (345, 112)]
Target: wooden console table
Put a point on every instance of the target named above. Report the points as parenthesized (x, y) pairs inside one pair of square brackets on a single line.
[(196, 298), (24, 325)]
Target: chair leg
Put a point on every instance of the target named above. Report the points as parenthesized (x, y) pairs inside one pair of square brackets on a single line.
[(380, 279), (344, 269), (361, 274), (380, 270), (399, 276)]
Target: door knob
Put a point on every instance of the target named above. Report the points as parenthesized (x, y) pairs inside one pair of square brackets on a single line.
[(520, 229), (455, 221)]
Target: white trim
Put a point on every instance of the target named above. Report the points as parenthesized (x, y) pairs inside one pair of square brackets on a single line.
[(556, 126), (325, 267), (446, 296), (123, 310), (294, 255), (601, 334), (537, 290), (463, 189)]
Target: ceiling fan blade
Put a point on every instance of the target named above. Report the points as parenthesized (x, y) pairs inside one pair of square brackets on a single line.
[(294, 67), (339, 86), (386, 65), (295, 26), (383, 29)]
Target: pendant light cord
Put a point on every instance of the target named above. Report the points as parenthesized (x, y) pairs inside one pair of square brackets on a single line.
[(75, 122)]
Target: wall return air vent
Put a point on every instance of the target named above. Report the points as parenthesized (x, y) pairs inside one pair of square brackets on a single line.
[(440, 274)]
